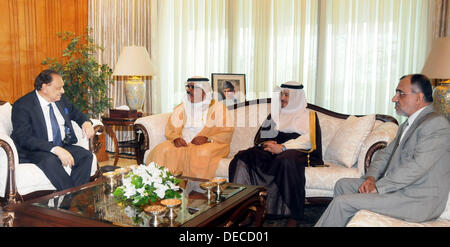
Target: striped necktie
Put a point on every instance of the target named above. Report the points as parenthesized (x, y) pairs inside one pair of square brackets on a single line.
[(55, 127)]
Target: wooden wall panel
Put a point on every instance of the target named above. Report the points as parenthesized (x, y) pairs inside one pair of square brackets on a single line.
[(6, 48), (28, 35)]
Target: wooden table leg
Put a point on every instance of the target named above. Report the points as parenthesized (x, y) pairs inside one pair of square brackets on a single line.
[(257, 206), (8, 219), (111, 133), (261, 209)]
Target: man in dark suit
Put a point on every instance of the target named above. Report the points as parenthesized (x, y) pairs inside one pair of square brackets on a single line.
[(43, 132), (409, 179)]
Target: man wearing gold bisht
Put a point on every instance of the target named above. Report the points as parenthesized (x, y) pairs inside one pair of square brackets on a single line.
[(198, 133)]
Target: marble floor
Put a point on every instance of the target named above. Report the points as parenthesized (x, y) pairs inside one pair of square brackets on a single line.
[(124, 160)]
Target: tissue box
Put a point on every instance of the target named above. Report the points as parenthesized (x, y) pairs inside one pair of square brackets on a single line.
[(114, 113)]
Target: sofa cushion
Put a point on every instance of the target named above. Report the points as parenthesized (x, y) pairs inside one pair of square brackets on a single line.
[(247, 121), (382, 131), (328, 128), (5, 120), (318, 178), (346, 144), (325, 178), (30, 178), (156, 128), (366, 218), (222, 168), (242, 139)]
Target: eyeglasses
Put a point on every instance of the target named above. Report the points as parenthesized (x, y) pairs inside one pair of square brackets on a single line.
[(403, 94)]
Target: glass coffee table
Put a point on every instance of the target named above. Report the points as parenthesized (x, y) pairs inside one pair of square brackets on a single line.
[(93, 205)]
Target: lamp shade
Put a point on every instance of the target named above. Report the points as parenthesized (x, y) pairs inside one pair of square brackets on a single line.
[(133, 61), (437, 65)]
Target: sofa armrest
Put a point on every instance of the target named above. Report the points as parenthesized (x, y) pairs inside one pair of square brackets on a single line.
[(369, 154), (150, 131), (7, 172), (381, 135), (142, 139), (94, 143), (90, 144)]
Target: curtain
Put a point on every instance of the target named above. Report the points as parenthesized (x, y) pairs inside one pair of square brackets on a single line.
[(349, 54), (193, 41), (273, 42), (352, 65), (441, 18), (257, 38), (116, 24), (365, 47), (237, 36)]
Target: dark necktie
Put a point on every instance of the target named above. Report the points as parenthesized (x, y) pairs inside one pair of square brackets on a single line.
[(55, 127)]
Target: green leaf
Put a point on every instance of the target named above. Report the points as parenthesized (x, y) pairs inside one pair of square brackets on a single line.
[(82, 73)]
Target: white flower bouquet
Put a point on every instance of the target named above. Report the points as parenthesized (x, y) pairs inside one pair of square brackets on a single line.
[(145, 184)]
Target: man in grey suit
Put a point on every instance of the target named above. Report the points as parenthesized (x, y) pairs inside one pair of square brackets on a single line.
[(410, 178)]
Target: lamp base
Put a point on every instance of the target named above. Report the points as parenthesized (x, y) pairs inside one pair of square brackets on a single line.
[(135, 93), (441, 98)]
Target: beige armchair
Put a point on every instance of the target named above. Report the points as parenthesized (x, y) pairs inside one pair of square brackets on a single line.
[(19, 182)]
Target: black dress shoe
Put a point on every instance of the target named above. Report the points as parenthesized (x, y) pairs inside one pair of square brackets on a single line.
[(66, 202)]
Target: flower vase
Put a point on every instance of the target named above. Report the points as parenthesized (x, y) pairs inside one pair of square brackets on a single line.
[(135, 93)]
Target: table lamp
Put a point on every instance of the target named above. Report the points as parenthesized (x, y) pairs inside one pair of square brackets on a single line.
[(134, 62), (437, 66)]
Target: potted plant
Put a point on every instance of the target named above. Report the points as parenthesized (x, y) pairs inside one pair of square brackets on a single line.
[(86, 81)]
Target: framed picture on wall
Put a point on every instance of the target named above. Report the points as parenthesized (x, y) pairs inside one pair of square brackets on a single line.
[(229, 88)]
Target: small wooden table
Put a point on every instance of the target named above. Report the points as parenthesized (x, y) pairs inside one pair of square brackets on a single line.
[(109, 121)]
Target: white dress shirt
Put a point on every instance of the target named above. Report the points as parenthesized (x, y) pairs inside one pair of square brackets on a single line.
[(410, 121), (46, 110)]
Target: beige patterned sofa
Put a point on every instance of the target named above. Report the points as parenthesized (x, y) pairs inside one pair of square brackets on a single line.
[(24, 181), (348, 143), (366, 218)]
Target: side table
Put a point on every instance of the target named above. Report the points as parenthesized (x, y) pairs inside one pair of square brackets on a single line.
[(109, 121)]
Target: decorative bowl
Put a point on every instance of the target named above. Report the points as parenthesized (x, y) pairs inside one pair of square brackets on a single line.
[(171, 204), (219, 181), (208, 186), (155, 211)]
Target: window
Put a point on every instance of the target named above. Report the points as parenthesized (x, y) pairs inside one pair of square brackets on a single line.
[(349, 54)]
